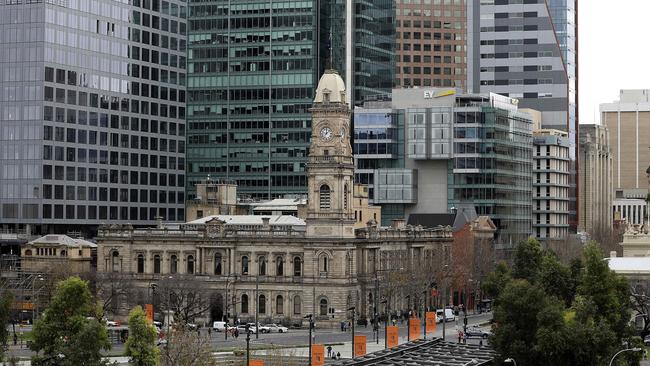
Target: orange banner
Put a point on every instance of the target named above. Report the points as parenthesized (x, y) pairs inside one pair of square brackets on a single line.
[(430, 324), (317, 355), (149, 311), (256, 363), (392, 334), (359, 346), (414, 329)]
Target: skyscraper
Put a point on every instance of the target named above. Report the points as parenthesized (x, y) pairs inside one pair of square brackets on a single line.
[(92, 108), (528, 50), (252, 72)]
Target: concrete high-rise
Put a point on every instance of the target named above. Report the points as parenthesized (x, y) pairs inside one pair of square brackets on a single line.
[(595, 179), (253, 69), (431, 43), (92, 113), (528, 50)]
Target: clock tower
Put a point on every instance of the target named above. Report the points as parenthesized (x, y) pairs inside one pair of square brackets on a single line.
[(331, 165)]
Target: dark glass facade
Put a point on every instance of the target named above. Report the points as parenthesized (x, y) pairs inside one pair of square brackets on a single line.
[(253, 69)]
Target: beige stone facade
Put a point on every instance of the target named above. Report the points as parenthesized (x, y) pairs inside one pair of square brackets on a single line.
[(57, 252), (596, 191), (318, 266)]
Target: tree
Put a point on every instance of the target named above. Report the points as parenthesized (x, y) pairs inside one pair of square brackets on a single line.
[(6, 299), (185, 296), (114, 290), (527, 261), (496, 280), (141, 344), (69, 332), (186, 348)]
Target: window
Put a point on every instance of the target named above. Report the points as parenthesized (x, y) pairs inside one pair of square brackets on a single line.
[(323, 263), (244, 303), (324, 197), (64, 253), (323, 307), (297, 270), (140, 263), (261, 303), (279, 305), (173, 264), (190, 264), (279, 263), (262, 266), (28, 252), (345, 198), (217, 264), (115, 261), (244, 265), (296, 305), (156, 264)]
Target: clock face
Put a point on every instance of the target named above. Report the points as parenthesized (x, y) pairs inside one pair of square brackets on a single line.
[(326, 133)]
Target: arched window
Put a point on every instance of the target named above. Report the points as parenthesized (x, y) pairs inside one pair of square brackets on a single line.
[(297, 267), (345, 198), (244, 265), (190, 264), (323, 263), (261, 266), (279, 305), (173, 264), (261, 303), (323, 307), (28, 252), (325, 196), (296, 305), (244, 303), (64, 253), (156, 264), (115, 261), (140, 263), (217, 264), (279, 266)]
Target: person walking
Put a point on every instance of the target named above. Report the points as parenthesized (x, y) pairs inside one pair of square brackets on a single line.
[(329, 351)]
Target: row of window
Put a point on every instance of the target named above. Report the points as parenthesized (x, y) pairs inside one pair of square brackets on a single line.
[(103, 157), (82, 193), (116, 140), (122, 176), (83, 212)]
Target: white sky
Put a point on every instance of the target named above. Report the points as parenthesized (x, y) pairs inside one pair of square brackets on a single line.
[(613, 51)]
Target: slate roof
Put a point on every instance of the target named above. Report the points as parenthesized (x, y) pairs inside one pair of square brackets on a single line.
[(432, 352)]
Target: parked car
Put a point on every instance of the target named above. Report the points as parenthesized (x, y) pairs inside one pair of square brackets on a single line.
[(242, 329), (263, 328), (476, 332), (646, 340), (449, 315), (219, 326), (112, 323), (275, 328)]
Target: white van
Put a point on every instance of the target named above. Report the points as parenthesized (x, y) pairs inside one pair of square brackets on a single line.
[(449, 315), (219, 326)]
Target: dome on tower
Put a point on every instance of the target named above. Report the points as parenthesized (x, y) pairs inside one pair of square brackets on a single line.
[(331, 88)]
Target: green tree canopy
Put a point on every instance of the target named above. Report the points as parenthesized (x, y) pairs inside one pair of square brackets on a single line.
[(6, 298), (141, 344), (69, 333)]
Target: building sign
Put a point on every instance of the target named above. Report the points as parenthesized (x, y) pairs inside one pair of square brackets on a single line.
[(317, 355), (414, 329), (149, 311), (430, 94), (256, 363), (392, 336), (359, 346), (430, 325)]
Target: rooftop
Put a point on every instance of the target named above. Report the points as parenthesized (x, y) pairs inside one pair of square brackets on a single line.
[(250, 220), (62, 240), (629, 265)]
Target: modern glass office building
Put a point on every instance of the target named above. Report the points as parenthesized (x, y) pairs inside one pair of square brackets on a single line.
[(253, 69), (430, 151), (92, 113)]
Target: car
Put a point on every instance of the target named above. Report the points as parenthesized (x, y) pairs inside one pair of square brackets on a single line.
[(242, 329), (161, 342), (219, 326), (449, 315), (157, 324), (275, 328), (646, 340), (476, 332), (112, 323), (263, 328)]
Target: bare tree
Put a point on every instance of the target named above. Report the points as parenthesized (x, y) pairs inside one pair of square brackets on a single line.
[(186, 348), (641, 305), (185, 296), (116, 292)]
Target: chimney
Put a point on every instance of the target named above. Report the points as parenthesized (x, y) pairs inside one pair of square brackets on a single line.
[(159, 223), (266, 222), (398, 223), (612, 254)]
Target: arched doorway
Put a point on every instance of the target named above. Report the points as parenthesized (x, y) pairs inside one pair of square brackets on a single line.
[(217, 308)]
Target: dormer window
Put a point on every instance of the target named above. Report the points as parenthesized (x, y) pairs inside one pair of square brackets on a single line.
[(326, 96)]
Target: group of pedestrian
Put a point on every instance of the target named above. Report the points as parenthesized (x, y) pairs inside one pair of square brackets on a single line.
[(345, 326), (332, 355)]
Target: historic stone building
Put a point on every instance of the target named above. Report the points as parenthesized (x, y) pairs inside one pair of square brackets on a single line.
[(293, 267)]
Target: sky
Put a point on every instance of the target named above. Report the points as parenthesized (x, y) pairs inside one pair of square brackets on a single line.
[(613, 52)]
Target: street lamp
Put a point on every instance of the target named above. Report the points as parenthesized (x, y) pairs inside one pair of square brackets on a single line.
[(311, 323), (352, 309), (635, 349), (510, 360), (248, 342), (385, 301), (169, 304)]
